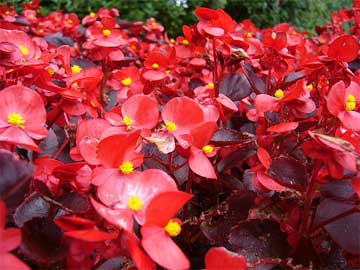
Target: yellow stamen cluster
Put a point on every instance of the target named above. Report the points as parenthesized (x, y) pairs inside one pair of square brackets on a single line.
[(92, 14), (16, 120), (127, 81), (249, 35), (173, 228), (351, 103), (208, 149), (127, 167), (106, 32), (135, 203), (211, 85), (273, 35), (50, 70), (23, 49), (155, 66), (170, 126), (279, 94), (75, 69), (185, 42), (309, 87), (128, 121)]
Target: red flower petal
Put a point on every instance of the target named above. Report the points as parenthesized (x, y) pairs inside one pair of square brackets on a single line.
[(164, 206), (9, 261), (219, 258), (9, 239), (202, 133), (283, 127), (91, 235), (162, 249), (17, 136), (264, 157), (143, 110), (345, 48), (200, 164)]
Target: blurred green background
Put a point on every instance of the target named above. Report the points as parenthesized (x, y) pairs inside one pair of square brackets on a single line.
[(305, 14)]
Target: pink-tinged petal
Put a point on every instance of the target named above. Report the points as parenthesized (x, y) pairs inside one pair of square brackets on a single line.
[(200, 164), (164, 206), (184, 112), (264, 157), (184, 140), (2, 215), (356, 185), (143, 110), (9, 239), (265, 103), (219, 258), (101, 175), (283, 127), (353, 89), (15, 135), (9, 261), (154, 75), (92, 128), (37, 132), (202, 133), (162, 249), (140, 258), (151, 183), (336, 98), (24, 101), (268, 182), (88, 147), (350, 119), (123, 218), (336, 170), (91, 235)]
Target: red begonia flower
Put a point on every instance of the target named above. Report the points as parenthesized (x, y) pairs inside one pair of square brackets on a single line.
[(344, 48), (118, 156), (214, 23), (22, 116), (219, 258), (343, 102), (160, 226), (180, 115), (201, 149), (127, 197), (88, 135)]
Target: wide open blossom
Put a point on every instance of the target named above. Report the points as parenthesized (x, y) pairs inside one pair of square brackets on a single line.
[(118, 156), (201, 150), (343, 102), (127, 196), (181, 115), (22, 117), (161, 226)]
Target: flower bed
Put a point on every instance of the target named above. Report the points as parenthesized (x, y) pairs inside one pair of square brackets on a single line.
[(230, 147)]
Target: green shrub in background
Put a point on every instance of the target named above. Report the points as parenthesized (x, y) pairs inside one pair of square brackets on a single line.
[(305, 14)]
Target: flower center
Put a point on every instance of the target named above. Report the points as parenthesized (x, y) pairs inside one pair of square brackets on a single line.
[(351, 103), (273, 35), (92, 14), (248, 34), (208, 149), (106, 32), (50, 70), (16, 120), (128, 122), (155, 66), (309, 87), (127, 167), (173, 228), (279, 94), (127, 81), (185, 42), (135, 203), (75, 69), (23, 49), (211, 85), (170, 126)]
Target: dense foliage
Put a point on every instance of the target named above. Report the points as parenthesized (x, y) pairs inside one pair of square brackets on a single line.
[(304, 14), (228, 148)]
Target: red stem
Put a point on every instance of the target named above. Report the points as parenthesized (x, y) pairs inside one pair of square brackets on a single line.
[(215, 75)]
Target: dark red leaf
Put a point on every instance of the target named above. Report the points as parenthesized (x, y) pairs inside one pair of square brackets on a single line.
[(225, 136), (289, 172), (235, 86)]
